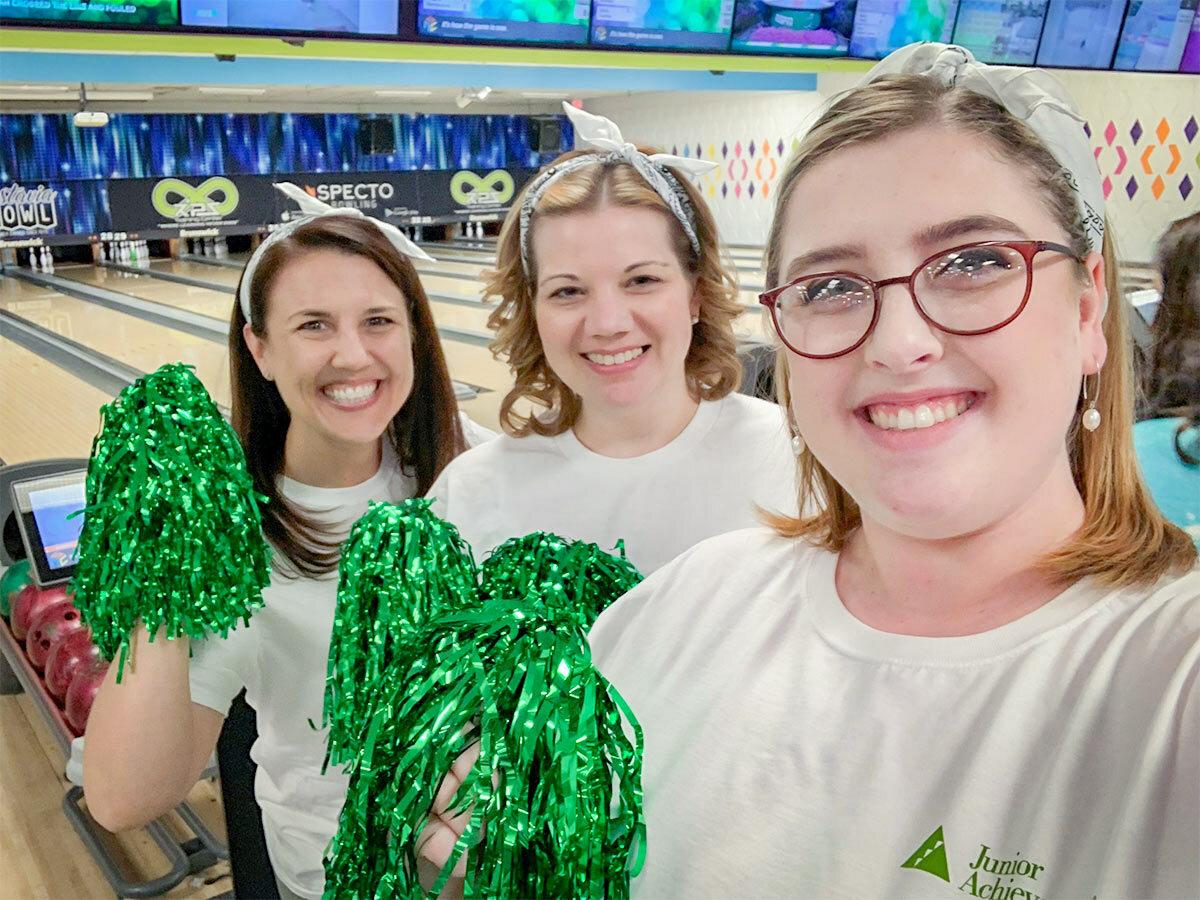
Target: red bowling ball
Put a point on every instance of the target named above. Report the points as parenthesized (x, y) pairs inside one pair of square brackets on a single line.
[(50, 626), (29, 602), (65, 659), (85, 685)]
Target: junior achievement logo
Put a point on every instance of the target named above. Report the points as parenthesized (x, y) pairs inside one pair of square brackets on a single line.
[(494, 189), (26, 209), (992, 877), (214, 198)]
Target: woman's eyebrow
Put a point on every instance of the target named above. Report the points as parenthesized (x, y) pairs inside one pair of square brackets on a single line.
[(944, 232)]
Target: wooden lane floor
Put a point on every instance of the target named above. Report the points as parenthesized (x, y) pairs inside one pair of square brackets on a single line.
[(46, 411), (212, 302), (143, 345)]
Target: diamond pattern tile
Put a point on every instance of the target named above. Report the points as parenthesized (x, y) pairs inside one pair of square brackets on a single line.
[(1110, 133), (1185, 187), (1162, 131), (1157, 187), (1131, 187), (1190, 129), (1136, 131)]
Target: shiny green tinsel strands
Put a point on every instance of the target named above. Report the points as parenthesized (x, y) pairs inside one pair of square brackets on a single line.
[(172, 535), (555, 797)]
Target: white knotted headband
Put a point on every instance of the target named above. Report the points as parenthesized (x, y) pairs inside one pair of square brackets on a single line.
[(1033, 96), (603, 134), (311, 209)]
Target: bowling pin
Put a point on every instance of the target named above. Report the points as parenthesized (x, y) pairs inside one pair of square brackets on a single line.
[(47, 260), (33, 259)]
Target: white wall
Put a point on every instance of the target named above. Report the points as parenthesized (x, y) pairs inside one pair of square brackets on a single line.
[(723, 127)]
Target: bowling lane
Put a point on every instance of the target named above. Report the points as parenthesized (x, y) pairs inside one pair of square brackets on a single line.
[(212, 302), (46, 411), (215, 274), (133, 341)]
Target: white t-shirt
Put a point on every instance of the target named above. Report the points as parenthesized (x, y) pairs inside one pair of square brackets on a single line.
[(281, 658), (793, 751), (735, 453)]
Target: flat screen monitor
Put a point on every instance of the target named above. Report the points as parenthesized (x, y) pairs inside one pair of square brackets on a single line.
[(1000, 31), (803, 27), (520, 21), (881, 26), (123, 14), (1154, 35), (1191, 50), (1081, 34), (352, 17), (698, 25), (46, 508)]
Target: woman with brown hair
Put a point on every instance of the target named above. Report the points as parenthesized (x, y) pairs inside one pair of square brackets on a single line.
[(976, 669), (341, 396), (1168, 439), (616, 318)]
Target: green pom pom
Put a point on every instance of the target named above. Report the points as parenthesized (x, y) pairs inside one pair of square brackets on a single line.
[(399, 564), (556, 794), (172, 535)]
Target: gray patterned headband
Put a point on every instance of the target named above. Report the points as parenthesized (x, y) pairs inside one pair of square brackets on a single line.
[(603, 134)]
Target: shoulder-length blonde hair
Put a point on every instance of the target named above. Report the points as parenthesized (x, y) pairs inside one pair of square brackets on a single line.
[(1124, 539), (712, 366)]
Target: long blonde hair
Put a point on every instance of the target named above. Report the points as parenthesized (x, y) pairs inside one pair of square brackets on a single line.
[(1124, 539), (711, 366)]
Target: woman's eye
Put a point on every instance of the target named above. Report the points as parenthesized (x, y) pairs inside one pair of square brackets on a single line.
[(379, 321), (644, 280), (970, 263), (312, 325), (565, 293)]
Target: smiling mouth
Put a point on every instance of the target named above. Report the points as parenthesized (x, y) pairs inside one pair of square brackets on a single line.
[(615, 359), (913, 416), (351, 396)]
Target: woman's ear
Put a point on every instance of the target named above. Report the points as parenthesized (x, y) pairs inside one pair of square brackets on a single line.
[(258, 350), (1093, 304)]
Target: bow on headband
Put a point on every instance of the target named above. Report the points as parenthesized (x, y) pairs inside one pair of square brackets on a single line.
[(1033, 96), (603, 134), (311, 208)]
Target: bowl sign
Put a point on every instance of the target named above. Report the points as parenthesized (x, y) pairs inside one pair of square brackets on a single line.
[(496, 188), (26, 209), (214, 198)]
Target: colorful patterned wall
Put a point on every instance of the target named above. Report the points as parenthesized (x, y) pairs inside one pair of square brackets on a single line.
[(1145, 131)]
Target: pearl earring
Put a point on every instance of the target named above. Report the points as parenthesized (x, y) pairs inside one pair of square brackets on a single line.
[(695, 319), (1091, 415), (797, 441)]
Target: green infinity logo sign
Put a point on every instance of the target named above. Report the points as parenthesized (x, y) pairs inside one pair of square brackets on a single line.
[(469, 189), (214, 198)]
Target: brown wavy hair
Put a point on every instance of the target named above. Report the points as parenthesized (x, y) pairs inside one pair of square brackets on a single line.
[(712, 366), (1124, 539), (1172, 382), (425, 433)]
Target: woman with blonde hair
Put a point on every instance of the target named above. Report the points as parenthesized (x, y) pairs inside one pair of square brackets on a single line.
[(616, 317), (976, 670)]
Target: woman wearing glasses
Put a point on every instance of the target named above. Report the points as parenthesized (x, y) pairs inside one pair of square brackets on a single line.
[(977, 669)]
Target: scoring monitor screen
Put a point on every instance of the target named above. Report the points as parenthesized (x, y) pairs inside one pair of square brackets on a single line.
[(807, 27), (47, 508), (1154, 35), (881, 26), (526, 21), (365, 17), (698, 25), (124, 14), (1081, 34), (1000, 31)]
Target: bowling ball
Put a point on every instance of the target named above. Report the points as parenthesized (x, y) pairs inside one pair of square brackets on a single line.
[(31, 600), (51, 625), (66, 657), (14, 578), (81, 694)]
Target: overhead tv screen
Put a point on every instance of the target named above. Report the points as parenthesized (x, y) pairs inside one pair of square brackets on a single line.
[(1000, 31), (114, 13), (699, 25), (1081, 34), (1191, 50), (367, 17), (522, 21), (803, 27), (1154, 35), (881, 26)]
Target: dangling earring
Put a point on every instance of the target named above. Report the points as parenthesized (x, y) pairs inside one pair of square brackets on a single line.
[(695, 319), (797, 441), (1091, 415)]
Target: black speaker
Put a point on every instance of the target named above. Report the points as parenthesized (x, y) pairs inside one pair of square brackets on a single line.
[(376, 137), (545, 134)]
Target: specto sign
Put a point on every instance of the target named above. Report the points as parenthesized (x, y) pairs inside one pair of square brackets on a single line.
[(351, 193), (214, 198), (26, 209)]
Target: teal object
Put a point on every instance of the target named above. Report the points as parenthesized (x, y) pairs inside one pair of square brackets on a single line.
[(1174, 484)]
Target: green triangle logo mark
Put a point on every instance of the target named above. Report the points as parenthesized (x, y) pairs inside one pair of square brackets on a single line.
[(931, 856)]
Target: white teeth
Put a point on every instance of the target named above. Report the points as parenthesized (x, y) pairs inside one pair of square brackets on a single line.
[(924, 415), (350, 395), (608, 359)]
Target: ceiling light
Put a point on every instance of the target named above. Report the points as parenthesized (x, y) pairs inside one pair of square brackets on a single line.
[(233, 91), (37, 88), (94, 95), (399, 93)]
